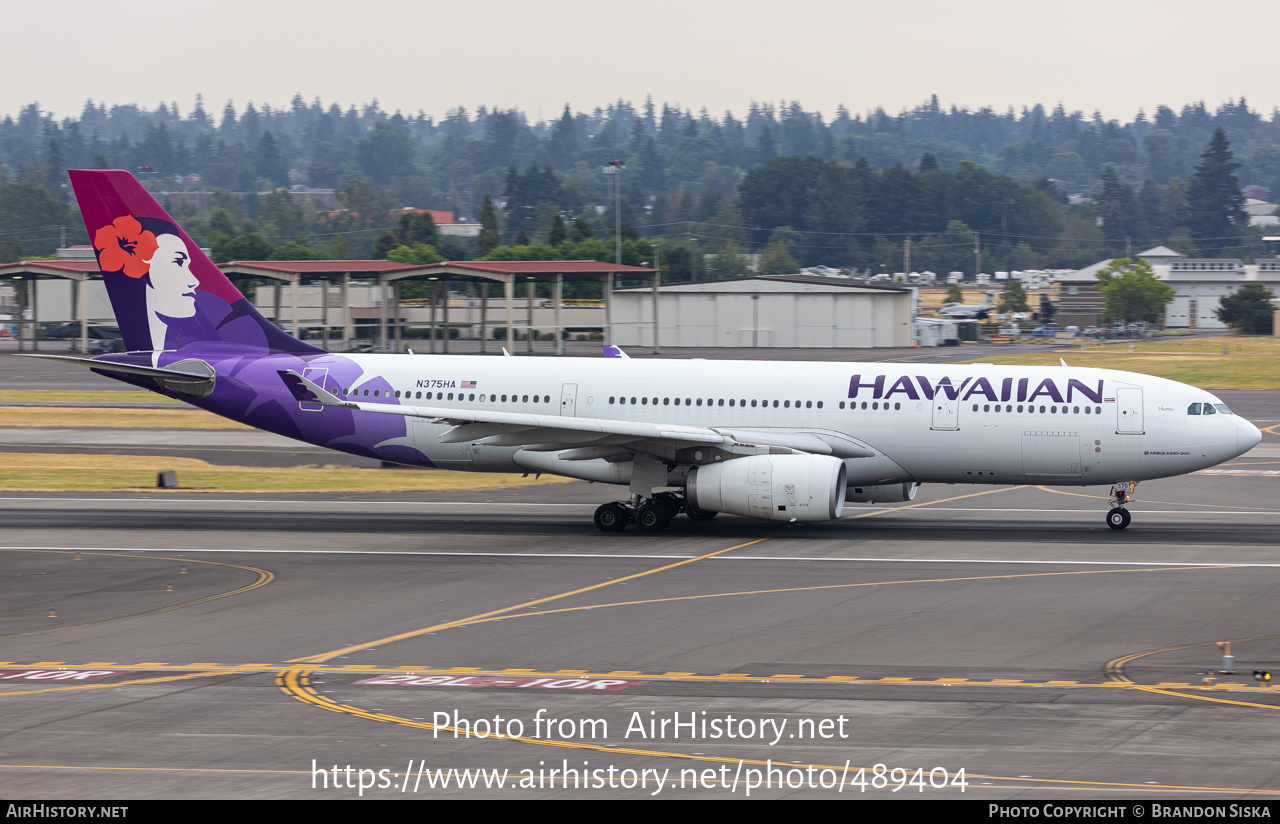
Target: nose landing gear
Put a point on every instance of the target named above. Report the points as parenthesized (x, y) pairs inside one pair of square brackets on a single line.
[(1121, 493)]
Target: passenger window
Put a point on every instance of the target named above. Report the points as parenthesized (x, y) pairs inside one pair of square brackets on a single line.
[(864, 404), (720, 402), (688, 401), (504, 399), (644, 401), (820, 404), (985, 407), (808, 404), (1042, 410), (775, 404), (525, 399), (1019, 407), (1075, 410), (742, 402), (611, 398), (1088, 409), (842, 404), (655, 401), (666, 401), (897, 406), (471, 397), (450, 396), (1097, 410), (975, 407), (633, 401), (731, 402), (1053, 410), (786, 404), (699, 401), (677, 401), (753, 403)]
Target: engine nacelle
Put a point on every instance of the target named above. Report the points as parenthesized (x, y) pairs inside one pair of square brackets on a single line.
[(772, 487), (886, 494)]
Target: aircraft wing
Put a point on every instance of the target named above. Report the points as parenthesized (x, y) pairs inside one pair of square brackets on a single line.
[(592, 437)]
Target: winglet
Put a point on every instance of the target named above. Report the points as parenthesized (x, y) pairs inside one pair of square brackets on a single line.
[(612, 351), (304, 390), (1062, 361)]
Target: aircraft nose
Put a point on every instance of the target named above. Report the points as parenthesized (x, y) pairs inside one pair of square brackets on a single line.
[(1247, 436)]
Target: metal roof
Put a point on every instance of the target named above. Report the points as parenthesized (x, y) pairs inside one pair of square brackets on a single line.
[(798, 280)]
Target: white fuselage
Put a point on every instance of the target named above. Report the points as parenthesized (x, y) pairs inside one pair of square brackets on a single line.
[(975, 423)]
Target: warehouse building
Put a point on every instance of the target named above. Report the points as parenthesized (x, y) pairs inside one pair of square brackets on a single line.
[(785, 311)]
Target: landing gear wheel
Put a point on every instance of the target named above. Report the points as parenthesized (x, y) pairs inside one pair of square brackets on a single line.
[(696, 514), (1118, 518), (612, 517), (653, 516)]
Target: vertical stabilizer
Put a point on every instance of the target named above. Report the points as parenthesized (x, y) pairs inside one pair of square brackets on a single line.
[(166, 293)]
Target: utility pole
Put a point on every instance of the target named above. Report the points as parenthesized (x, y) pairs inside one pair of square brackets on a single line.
[(615, 169), (906, 259), (1128, 247), (977, 254)]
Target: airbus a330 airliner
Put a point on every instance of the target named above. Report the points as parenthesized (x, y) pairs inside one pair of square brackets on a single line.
[(775, 440)]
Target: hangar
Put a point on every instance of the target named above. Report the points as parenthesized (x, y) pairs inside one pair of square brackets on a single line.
[(791, 311)]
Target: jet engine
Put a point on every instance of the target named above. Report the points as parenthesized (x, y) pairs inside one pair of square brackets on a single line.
[(886, 494), (772, 487)]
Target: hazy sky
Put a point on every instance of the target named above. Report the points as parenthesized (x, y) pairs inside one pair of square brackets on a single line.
[(1113, 55)]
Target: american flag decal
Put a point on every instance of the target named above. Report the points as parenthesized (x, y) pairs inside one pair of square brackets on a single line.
[(468, 384)]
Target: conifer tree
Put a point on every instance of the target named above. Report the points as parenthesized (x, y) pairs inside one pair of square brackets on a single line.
[(1216, 215), (489, 239)]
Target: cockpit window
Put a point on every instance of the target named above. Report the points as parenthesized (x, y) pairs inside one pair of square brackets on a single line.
[(1221, 407), (1193, 409), (1209, 410)]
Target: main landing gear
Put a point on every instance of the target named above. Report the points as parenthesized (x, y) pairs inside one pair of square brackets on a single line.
[(1121, 493), (649, 515)]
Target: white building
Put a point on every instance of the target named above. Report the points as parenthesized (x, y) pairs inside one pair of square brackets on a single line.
[(792, 311), (1201, 283)]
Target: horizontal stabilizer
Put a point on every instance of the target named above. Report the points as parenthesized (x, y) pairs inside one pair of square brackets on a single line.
[(168, 374)]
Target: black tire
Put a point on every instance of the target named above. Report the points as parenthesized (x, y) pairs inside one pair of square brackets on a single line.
[(653, 516), (696, 514), (1118, 518), (612, 517)]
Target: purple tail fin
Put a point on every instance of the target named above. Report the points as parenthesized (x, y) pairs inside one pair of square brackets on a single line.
[(166, 293)]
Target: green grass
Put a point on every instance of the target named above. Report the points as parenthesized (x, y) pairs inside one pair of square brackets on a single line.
[(32, 472), (82, 396), (81, 418), (1254, 362)]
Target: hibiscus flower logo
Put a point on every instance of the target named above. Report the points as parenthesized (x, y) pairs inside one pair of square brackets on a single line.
[(124, 246)]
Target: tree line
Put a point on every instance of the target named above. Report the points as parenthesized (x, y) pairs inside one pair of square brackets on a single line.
[(1038, 187)]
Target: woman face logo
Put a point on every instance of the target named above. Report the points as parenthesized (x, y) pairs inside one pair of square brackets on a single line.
[(173, 285)]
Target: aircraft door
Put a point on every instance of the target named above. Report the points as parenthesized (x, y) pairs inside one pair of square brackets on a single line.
[(1129, 410), (569, 400), (1051, 454), (946, 412)]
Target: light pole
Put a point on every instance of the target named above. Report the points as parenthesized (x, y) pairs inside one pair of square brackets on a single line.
[(615, 170)]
